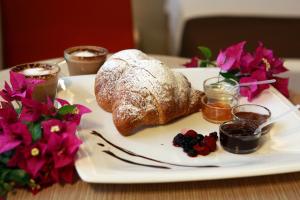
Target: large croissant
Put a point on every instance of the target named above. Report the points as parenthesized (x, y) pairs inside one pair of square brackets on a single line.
[(140, 90)]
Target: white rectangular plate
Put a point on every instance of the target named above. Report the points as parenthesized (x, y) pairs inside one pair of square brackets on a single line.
[(280, 152)]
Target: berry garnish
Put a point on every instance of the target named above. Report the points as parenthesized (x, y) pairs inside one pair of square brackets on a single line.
[(178, 140), (209, 142), (214, 135), (191, 133), (194, 144)]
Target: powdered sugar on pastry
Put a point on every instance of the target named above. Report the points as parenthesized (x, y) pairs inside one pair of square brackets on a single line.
[(140, 90)]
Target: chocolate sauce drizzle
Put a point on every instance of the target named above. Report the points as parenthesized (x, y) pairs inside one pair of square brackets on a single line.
[(144, 157), (134, 163)]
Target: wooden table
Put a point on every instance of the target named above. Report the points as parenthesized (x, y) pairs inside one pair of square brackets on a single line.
[(284, 186)]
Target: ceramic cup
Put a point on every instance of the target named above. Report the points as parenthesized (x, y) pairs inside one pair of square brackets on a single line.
[(85, 59)]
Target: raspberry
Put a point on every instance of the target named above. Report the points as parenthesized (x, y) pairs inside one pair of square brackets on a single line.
[(191, 133), (202, 150), (209, 142), (214, 135)]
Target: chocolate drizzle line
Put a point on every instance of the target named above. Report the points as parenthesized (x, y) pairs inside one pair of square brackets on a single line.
[(100, 144), (134, 163), (144, 157)]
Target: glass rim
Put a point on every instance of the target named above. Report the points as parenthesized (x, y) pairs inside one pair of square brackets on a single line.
[(18, 68), (252, 105), (102, 52), (238, 136), (215, 77)]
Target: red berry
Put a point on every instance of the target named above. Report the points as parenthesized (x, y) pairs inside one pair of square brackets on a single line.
[(202, 150), (191, 133), (209, 142)]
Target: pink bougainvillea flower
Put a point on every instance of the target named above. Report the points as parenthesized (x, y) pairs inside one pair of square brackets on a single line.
[(7, 112), (194, 62), (30, 158), (252, 91), (264, 59), (52, 126), (229, 59), (21, 86), (13, 135), (64, 175), (48, 108), (7, 142), (62, 102), (31, 110), (246, 63), (281, 85), (7, 93), (63, 144), (77, 114)]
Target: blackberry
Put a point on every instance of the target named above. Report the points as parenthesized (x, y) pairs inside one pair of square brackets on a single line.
[(186, 149), (193, 142), (199, 138), (178, 140), (192, 153)]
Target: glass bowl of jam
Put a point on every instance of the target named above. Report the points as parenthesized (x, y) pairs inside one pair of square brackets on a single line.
[(255, 114), (218, 109), (237, 136), (215, 86)]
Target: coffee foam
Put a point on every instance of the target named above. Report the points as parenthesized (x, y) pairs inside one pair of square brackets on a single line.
[(39, 71), (84, 53)]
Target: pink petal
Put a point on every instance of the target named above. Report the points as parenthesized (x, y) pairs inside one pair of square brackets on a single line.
[(7, 143), (20, 129), (281, 85), (62, 102), (194, 62), (17, 81), (34, 165), (82, 109), (248, 91), (62, 160)]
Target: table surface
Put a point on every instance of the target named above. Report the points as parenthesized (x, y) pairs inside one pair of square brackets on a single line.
[(283, 186)]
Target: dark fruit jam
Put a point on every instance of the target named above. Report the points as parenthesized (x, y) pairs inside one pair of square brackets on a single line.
[(255, 118), (238, 137), (252, 116)]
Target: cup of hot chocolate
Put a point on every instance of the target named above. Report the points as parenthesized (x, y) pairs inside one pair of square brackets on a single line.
[(85, 59), (45, 72)]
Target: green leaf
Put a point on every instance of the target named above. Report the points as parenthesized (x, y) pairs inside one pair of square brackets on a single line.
[(68, 109), (204, 63), (19, 176), (228, 75), (35, 130), (5, 157), (205, 51)]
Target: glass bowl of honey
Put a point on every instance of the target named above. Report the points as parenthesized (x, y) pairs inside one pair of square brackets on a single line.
[(215, 86), (253, 113), (218, 109)]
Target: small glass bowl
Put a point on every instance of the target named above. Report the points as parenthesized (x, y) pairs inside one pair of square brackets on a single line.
[(215, 86), (254, 114), (238, 137), (218, 110)]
